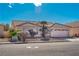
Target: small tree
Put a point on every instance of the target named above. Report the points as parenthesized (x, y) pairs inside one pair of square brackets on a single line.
[(13, 34)]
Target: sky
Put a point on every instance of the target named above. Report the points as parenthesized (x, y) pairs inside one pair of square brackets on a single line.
[(51, 12)]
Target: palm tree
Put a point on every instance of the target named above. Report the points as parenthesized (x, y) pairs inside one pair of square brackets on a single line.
[(44, 28)]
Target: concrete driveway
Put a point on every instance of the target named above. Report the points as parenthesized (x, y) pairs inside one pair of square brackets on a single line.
[(40, 49)]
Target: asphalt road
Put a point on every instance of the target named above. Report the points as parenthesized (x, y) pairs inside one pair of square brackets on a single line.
[(40, 49)]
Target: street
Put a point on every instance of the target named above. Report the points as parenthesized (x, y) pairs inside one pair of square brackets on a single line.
[(40, 49)]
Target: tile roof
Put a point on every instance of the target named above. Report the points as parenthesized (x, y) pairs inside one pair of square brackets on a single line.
[(74, 24), (49, 24)]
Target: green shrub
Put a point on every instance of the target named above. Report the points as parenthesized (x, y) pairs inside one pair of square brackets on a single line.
[(13, 32)]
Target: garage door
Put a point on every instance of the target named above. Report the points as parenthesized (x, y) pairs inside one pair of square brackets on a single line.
[(59, 33)]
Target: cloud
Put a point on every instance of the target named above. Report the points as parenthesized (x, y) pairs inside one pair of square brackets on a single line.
[(10, 6), (37, 3), (21, 3)]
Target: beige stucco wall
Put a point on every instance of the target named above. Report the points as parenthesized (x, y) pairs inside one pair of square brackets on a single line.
[(73, 31), (7, 34), (1, 27)]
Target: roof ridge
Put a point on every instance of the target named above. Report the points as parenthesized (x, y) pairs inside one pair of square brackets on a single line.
[(60, 24)]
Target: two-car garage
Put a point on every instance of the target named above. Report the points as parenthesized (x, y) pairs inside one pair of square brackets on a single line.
[(60, 33)]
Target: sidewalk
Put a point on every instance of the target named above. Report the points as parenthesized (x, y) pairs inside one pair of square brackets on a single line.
[(6, 41)]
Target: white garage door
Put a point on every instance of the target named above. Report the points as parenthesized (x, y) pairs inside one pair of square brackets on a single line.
[(59, 33)]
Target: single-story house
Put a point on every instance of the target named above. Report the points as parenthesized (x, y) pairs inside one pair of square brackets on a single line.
[(74, 30), (3, 31), (2, 28), (54, 29)]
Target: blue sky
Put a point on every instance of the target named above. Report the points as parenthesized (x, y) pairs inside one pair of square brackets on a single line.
[(54, 12)]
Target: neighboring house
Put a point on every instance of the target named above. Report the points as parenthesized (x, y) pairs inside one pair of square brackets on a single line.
[(74, 31), (2, 28), (3, 31)]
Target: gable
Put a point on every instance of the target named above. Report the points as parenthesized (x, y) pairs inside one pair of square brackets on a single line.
[(24, 25)]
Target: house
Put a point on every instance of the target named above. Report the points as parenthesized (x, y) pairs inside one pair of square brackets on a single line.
[(54, 29), (2, 28), (74, 31), (3, 31)]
